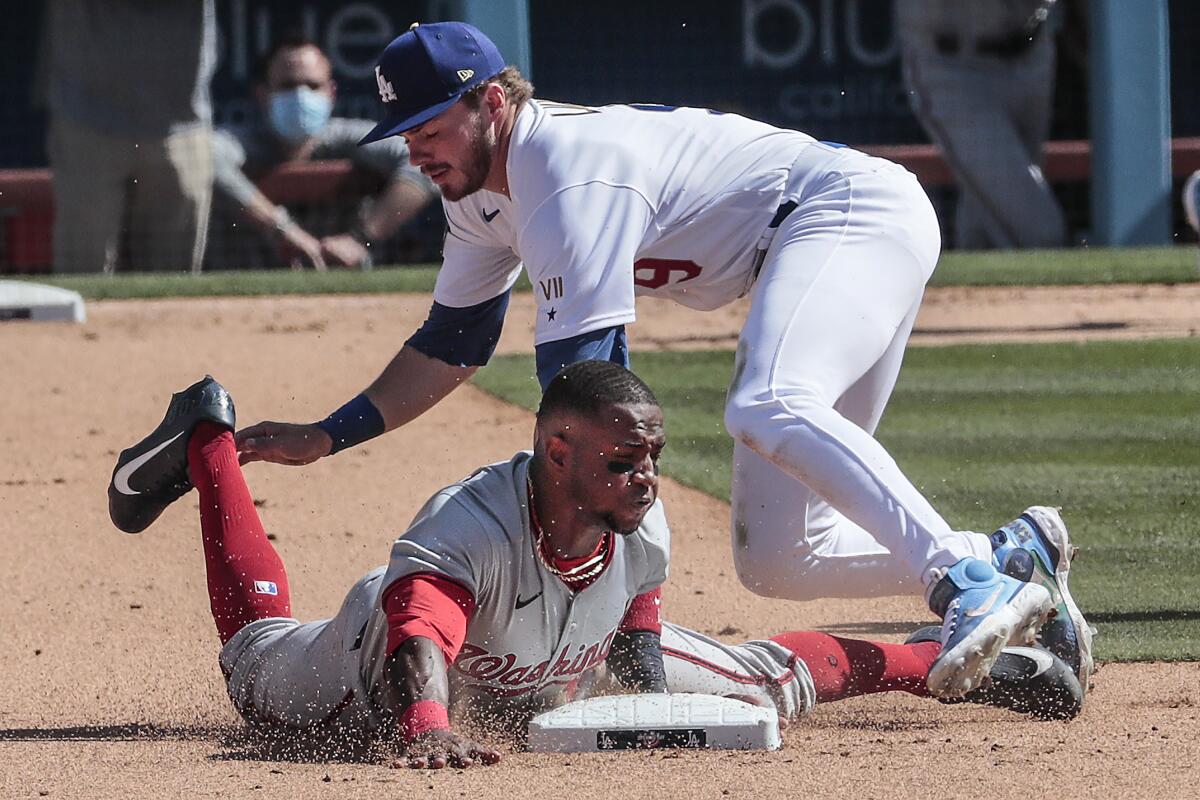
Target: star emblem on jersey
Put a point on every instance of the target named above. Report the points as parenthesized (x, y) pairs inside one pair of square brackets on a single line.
[(550, 314), (489, 217)]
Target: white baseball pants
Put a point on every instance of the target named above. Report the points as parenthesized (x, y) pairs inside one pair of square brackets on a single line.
[(819, 507)]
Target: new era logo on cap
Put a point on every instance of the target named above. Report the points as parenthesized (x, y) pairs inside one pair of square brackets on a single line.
[(426, 69)]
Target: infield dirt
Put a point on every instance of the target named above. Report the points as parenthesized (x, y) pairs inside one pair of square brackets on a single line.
[(109, 686)]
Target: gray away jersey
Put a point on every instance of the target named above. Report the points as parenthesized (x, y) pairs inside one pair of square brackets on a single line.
[(531, 640)]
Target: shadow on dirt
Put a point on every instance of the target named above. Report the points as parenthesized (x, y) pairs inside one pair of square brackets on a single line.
[(235, 743), (877, 628), (124, 732)]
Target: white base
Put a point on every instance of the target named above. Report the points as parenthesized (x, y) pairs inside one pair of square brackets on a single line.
[(646, 721), (39, 302)]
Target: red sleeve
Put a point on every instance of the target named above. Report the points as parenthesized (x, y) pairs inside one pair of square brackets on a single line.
[(431, 606), (645, 612)]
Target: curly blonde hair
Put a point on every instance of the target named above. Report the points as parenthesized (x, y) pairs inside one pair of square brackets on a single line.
[(517, 88)]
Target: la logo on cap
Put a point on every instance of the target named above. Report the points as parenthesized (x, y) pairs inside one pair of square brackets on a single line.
[(386, 91), (427, 69)]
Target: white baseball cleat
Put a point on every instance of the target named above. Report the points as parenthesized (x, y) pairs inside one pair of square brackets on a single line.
[(1036, 548), (982, 610)]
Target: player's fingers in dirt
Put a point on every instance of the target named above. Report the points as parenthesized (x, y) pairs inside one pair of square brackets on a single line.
[(467, 752), (438, 749), (427, 761)]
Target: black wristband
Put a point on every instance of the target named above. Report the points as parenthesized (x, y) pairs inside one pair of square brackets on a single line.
[(353, 423), (636, 661)]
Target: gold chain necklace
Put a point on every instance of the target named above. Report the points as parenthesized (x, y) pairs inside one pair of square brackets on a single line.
[(587, 569)]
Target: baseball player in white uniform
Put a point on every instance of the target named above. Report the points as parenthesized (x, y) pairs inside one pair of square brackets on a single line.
[(601, 204), (512, 591)]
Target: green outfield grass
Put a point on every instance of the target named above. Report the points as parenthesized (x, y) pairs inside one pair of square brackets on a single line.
[(1028, 268), (1081, 266), (415, 278), (1109, 431)]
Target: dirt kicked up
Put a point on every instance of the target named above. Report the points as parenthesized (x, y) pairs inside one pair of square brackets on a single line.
[(109, 686)]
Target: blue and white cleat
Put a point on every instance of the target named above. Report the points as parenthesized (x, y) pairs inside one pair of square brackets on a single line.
[(1035, 548), (983, 610)]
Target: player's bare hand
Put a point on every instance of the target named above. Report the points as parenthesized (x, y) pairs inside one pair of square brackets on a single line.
[(344, 250), (300, 248), (282, 443), (442, 748)]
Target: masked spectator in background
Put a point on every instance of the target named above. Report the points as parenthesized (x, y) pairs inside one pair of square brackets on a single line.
[(295, 94)]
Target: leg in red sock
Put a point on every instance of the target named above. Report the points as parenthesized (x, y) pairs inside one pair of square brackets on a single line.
[(246, 578), (844, 668)]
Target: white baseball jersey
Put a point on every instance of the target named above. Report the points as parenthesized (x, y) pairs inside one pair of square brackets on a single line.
[(611, 201)]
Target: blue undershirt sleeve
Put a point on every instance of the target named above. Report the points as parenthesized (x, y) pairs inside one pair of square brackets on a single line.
[(606, 344), (462, 337)]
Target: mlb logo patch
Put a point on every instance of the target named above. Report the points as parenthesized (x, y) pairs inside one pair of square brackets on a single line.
[(266, 587)]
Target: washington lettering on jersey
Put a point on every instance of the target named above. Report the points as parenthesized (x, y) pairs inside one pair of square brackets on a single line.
[(477, 665), (479, 530)]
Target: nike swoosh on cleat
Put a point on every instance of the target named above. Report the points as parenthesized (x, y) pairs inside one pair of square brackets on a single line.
[(1041, 658), (979, 611), (121, 479)]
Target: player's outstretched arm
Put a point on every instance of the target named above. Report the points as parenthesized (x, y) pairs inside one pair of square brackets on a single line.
[(411, 384), (419, 691)]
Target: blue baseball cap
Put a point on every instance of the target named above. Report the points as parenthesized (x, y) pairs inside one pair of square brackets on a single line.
[(426, 69)]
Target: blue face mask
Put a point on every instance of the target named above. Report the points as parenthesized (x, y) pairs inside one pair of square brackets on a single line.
[(297, 114)]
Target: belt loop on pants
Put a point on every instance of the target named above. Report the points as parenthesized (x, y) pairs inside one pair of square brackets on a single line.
[(768, 236)]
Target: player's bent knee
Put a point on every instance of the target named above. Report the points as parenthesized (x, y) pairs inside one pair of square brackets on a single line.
[(762, 574), (758, 423)]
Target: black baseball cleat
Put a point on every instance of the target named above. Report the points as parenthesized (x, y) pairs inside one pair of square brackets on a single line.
[(1028, 680), (153, 473)]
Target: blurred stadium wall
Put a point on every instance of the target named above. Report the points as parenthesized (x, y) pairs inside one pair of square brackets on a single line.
[(828, 67)]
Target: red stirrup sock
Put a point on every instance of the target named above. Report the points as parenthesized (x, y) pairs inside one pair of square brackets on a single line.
[(246, 578), (844, 668)]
